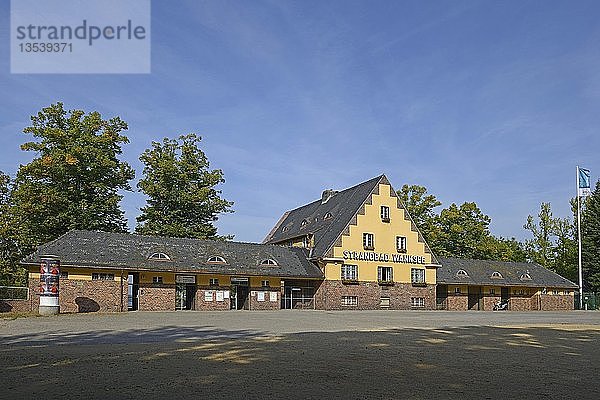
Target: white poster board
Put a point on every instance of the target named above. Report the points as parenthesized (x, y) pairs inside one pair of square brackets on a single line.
[(272, 296), (208, 295), (226, 294), (260, 296), (220, 295)]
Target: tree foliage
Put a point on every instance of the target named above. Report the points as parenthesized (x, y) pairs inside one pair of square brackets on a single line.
[(590, 239), (182, 199), (73, 181), (421, 208)]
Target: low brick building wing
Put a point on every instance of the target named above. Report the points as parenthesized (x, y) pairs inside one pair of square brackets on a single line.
[(464, 284), (114, 272)]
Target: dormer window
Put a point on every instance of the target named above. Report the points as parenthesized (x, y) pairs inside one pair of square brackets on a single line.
[(462, 273), (268, 261), (303, 223), (328, 216), (159, 257), (496, 275), (216, 260), (525, 277), (285, 228)]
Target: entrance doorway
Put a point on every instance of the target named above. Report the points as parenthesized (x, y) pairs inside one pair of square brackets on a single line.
[(133, 288), (239, 294), (298, 295), (185, 292), (441, 297), (475, 298)]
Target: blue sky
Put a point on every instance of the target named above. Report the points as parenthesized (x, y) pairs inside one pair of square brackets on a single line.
[(491, 102)]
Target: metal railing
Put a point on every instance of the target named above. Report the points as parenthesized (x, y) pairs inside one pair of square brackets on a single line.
[(14, 293)]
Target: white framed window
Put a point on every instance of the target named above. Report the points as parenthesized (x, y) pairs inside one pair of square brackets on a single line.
[(417, 301), (555, 292), (304, 222), (457, 290), (216, 260), (384, 302), (327, 215), (213, 282), (96, 276), (159, 257), (526, 277), (157, 279), (305, 242), (462, 272), (349, 272), (417, 275), (401, 244), (265, 283), (268, 261), (567, 292), (492, 291), (385, 213), (368, 241), (64, 275), (496, 275), (349, 300), (385, 274)]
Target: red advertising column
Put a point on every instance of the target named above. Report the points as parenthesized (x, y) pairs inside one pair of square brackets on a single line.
[(49, 285)]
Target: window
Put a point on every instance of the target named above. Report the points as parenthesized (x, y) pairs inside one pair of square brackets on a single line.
[(349, 300), (213, 282), (462, 272), (385, 213), (567, 292), (526, 277), (64, 275), (102, 277), (384, 302), (496, 275), (216, 260), (492, 291), (328, 215), (303, 223), (368, 241), (555, 291), (157, 279), (385, 274), (417, 275), (456, 290), (305, 242), (417, 301), (285, 228), (401, 244), (159, 257), (265, 283), (268, 261), (349, 272)]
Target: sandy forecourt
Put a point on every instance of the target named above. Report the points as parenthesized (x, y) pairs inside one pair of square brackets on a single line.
[(303, 354)]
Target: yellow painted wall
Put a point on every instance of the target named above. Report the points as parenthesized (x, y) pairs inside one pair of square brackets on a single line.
[(385, 242), (80, 274), (168, 278), (464, 289)]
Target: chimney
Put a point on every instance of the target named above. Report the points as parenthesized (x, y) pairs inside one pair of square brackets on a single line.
[(327, 194)]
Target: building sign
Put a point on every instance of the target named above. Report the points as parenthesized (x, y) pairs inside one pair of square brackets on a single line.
[(185, 279), (383, 257)]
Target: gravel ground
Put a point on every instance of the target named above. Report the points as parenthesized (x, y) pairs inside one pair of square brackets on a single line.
[(303, 354)]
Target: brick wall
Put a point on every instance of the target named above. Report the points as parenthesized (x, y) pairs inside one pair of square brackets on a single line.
[(548, 302), (489, 301), (214, 305), (157, 297), (329, 294), (15, 305), (520, 303), (85, 296), (267, 304), (457, 302)]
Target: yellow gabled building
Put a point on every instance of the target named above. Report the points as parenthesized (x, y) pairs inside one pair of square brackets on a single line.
[(368, 248)]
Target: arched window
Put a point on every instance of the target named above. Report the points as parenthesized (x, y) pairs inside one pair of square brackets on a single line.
[(159, 257), (268, 261), (526, 277), (304, 222), (462, 272), (328, 215), (216, 260), (497, 275)]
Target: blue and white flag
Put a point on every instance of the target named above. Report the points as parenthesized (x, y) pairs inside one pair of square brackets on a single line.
[(583, 182)]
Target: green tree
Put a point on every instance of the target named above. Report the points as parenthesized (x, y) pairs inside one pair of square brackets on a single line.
[(565, 249), (464, 231), (502, 249), (10, 273), (74, 179), (590, 239), (182, 199), (540, 249)]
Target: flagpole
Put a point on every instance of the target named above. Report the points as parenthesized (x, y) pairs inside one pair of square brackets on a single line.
[(579, 244)]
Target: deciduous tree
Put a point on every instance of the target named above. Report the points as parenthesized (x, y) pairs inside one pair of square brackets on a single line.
[(182, 197), (590, 239)]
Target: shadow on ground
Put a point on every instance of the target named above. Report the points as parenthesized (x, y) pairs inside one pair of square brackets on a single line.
[(467, 362)]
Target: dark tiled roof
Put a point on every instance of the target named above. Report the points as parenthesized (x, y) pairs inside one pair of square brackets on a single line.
[(480, 272), (122, 250), (342, 206)]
